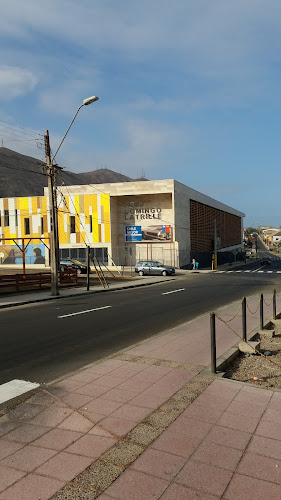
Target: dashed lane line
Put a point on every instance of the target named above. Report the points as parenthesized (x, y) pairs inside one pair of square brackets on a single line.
[(83, 312), (173, 291)]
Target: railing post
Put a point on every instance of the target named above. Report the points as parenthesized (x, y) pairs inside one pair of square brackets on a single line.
[(213, 343), (244, 318), (274, 304), (88, 267), (261, 311)]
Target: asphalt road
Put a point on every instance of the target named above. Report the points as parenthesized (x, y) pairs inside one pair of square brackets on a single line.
[(42, 342)]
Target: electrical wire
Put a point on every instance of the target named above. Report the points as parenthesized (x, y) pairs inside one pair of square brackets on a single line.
[(120, 203), (11, 167), (26, 130)]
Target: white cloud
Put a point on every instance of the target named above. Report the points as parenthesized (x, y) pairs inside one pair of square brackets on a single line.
[(15, 82), (229, 45), (147, 145)]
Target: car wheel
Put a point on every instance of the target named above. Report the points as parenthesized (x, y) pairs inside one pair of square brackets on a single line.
[(164, 273), (141, 273)]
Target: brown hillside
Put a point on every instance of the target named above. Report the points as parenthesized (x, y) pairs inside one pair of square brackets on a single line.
[(24, 176)]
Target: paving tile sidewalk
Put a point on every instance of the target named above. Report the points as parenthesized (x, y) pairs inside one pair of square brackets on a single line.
[(224, 445), (130, 418)]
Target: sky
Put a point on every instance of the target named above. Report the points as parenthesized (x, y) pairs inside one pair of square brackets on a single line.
[(188, 90)]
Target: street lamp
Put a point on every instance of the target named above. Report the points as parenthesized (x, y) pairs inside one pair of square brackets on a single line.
[(86, 102), (51, 172)]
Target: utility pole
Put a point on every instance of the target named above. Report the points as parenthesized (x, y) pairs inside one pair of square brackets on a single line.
[(256, 238), (215, 245), (51, 172)]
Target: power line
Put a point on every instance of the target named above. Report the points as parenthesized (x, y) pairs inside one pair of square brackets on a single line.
[(11, 167), (121, 203), (26, 131)]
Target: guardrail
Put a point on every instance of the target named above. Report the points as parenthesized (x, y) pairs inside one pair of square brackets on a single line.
[(17, 282)]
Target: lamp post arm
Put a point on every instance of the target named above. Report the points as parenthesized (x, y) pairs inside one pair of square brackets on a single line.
[(67, 131)]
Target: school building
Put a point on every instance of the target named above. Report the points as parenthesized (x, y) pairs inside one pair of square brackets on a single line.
[(122, 223)]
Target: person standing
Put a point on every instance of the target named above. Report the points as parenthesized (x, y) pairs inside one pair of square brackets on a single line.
[(193, 264), (196, 265)]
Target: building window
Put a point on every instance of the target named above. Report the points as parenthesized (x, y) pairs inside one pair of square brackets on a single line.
[(6, 218), (42, 225), (72, 224), (91, 223), (16, 218), (26, 226)]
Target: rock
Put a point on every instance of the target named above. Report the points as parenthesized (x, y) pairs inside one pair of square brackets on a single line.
[(249, 347)]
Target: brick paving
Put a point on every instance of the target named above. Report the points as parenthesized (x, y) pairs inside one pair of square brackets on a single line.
[(148, 423)]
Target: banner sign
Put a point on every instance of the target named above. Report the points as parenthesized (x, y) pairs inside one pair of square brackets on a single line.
[(156, 233), (133, 233), (148, 233)]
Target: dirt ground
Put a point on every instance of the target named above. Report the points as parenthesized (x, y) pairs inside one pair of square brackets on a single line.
[(245, 367)]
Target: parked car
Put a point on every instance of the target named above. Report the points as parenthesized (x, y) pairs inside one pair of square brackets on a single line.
[(153, 268), (266, 261), (73, 264)]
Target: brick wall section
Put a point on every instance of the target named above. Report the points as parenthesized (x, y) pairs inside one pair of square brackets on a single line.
[(202, 227)]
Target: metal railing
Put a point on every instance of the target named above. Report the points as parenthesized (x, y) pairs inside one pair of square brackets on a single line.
[(18, 282), (243, 306)]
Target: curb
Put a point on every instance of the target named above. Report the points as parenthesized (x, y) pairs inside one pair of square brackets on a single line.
[(87, 292)]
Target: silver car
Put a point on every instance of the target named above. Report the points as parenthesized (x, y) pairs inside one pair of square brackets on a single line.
[(153, 268)]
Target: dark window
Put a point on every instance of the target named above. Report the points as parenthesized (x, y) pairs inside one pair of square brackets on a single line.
[(26, 226), (6, 218), (99, 254), (42, 225), (91, 223), (72, 224), (16, 218), (74, 253)]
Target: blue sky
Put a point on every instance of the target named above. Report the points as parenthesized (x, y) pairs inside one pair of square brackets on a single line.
[(188, 90)]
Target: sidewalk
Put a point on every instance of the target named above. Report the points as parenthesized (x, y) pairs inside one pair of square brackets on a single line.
[(16, 299), (149, 422)]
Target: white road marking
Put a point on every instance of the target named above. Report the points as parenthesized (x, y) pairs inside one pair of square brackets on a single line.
[(278, 271), (248, 271), (15, 388), (260, 271), (83, 312), (174, 291), (269, 271)]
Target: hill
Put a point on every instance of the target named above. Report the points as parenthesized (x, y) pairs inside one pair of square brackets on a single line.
[(24, 176)]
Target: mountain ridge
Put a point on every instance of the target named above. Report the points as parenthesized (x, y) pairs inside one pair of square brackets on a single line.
[(15, 182)]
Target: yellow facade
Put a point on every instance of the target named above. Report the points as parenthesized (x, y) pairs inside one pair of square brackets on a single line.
[(90, 212)]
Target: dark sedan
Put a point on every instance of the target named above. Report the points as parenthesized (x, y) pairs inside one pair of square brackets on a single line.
[(265, 261), (72, 264)]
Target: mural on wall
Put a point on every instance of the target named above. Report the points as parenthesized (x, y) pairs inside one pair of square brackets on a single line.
[(11, 254), (38, 254)]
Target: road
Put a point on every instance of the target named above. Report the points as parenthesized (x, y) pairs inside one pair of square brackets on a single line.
[(44, 341)]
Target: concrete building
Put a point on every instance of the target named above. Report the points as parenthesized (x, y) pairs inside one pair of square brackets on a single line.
[(125, 222), (164, 220)]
